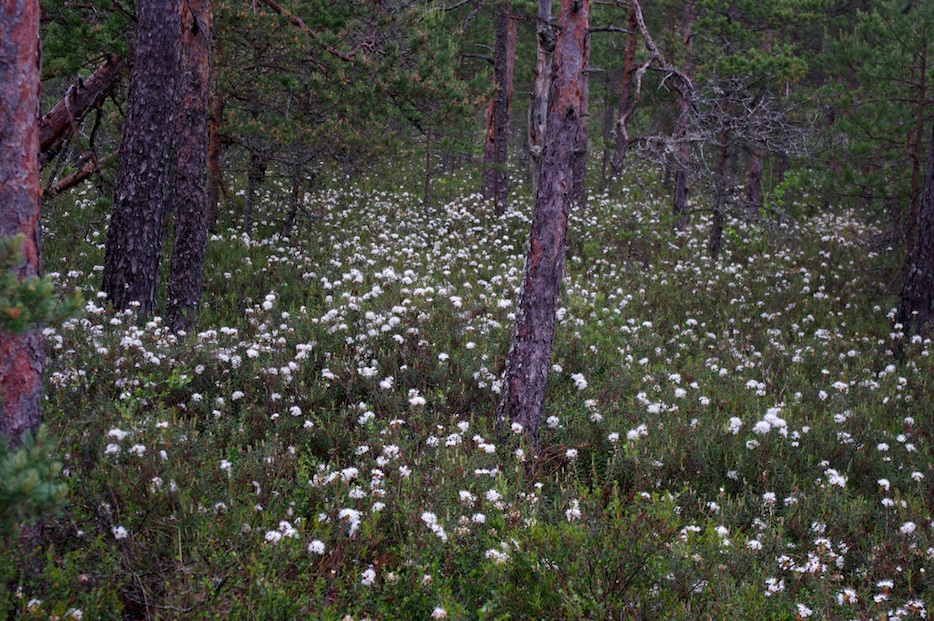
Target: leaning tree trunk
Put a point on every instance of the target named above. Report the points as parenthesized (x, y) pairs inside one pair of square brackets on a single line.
[(183, 289), (538, 105), (136, 233), (916, 306), (22, 358), (496, 156), (527, 363), (59, 123), (683, 153), (626, 99)]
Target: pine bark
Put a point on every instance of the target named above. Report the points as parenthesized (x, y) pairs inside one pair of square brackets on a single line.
[(255, 176), (136, 234), (579, 189), (722, 185), (683, 153), (183, 289), (626, 98), (22, 357), (754, 184), (215, 176), (538, 106), (915, 139), (496, 155), (529, 356), (916, 306)]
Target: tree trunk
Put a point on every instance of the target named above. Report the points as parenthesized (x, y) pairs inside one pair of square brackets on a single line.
[(916, 306), (722, 181), (538, 105), (609, 125), (22, 358), (781, 167), (626, 99), (754, 184), (914, 155), (683, 152), (186, 270), (62, 120), (136, 233), (496, 156), (527, 363), (254, 177), (294, 201), (215, 176), (579, 189)]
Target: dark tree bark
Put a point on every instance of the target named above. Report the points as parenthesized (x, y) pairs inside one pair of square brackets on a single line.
[(916, 306), (683, 153), (215, 175), (529, 356), (781, 167), (538, 105), (610, 106), (22, 358), (627, 100), (255, 176), (722, 186), (754, 184), (496, 155), (186, 271), (915, 140), (62, 120), (294, 201), (136, 233)]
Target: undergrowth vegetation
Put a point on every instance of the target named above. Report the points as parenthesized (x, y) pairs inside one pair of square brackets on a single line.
[(746, 437)]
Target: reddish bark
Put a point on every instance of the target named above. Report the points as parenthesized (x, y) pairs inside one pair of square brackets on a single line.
[(22, 358), (87, 166), (183, 289), (627, 100), (529, 357), (136, 233), (496, 157), (63, 119)]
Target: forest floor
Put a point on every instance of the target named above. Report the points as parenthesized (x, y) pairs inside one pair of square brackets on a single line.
[(746, 437)]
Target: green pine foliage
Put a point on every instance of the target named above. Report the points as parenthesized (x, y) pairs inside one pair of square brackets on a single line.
[(874, 103), (30, 482), (27, 303)]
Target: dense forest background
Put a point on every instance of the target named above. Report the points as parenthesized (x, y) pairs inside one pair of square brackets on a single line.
[(469, 309)]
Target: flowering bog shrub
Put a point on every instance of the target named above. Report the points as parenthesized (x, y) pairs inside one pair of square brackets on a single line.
[(729, 438)]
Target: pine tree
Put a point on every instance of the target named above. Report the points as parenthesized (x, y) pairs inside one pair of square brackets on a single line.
[(136, 233)]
